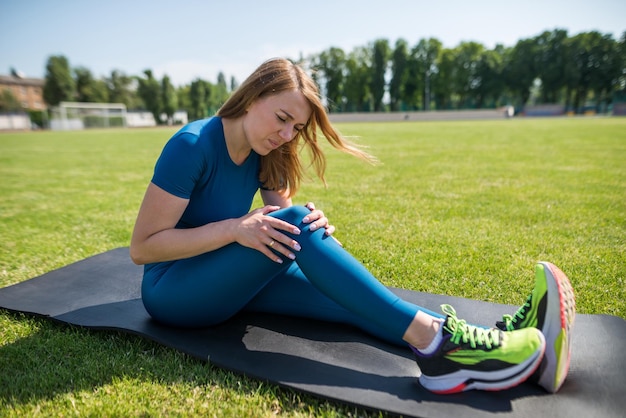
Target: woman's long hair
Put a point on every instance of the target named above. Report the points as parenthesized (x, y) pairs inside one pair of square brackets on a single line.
[(281, 169)]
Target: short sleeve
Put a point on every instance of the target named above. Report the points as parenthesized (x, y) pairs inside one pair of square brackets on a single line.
[(180, 165)]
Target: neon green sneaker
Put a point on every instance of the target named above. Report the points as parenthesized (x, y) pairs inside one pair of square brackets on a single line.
[(551, 307), (471, 357)]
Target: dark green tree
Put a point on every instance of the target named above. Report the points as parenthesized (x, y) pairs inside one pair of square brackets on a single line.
[(183, 97), (122, 89), (233, 84), (399, 75), (380, 65), (490, 79), (550, 61), (442, 80), (59, 85), (466, 79), (414, 84), (609, 67), (199, 94), (594, 67), (358, 80), (88, 89), (169, 99), (620, 87), (520, 70), (8, 102), (219, 93), (330, 74), (424, 56), (150, 92)]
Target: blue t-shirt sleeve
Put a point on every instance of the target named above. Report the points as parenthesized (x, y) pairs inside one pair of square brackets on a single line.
[(180, 165)]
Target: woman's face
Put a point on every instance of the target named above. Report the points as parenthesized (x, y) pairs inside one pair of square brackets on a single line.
[(274, 120)]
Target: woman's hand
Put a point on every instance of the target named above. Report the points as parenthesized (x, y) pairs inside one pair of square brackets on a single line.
[(317, 220), (261, 232)]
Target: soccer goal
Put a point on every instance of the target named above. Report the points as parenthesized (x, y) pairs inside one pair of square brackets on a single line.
[(77, 115)]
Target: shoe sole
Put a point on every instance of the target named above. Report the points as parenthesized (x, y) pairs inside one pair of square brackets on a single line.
[(464, 380), (557, 326)]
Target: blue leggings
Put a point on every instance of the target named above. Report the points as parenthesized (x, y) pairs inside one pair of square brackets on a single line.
[(324, 282)]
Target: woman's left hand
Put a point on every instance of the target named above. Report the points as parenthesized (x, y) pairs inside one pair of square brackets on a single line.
[(317, 220)]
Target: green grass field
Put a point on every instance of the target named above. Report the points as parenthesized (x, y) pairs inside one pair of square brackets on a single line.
[(460, 208)]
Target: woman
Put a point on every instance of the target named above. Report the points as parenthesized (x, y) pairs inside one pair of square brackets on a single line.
[(207, 256)]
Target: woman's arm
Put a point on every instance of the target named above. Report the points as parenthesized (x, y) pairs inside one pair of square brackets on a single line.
[(273, 198), (155, 237)]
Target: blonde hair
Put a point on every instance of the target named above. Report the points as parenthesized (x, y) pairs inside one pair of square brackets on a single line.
[(282, 169)]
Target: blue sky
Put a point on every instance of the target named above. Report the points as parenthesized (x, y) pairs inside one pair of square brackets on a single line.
[(187, 39)]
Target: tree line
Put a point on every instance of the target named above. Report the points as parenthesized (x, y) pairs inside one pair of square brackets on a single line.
[(587, 69), (144, 92)]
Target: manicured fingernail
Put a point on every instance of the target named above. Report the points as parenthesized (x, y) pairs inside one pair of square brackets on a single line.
[(292, 256), (279, 260), (297, 247), (313, 227), (296, 231), (305, 219)]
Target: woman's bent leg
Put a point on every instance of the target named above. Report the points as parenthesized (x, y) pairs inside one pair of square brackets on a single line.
[(207, 289)]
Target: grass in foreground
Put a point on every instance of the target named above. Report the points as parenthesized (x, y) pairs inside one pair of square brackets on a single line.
[(461, 208)]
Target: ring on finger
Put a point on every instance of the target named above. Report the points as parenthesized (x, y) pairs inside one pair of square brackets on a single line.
[(271, 243)]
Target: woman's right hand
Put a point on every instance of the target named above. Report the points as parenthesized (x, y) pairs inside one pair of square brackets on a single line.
[(261, 232)]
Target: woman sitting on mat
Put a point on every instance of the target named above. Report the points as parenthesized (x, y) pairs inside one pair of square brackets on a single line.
[(207, 256)]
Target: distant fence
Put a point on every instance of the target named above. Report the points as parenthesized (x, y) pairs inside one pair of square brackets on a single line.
[(619, 109), (132, 119), (142, 119), (14, 121), (500, 113), (139, 119), (544, 110)]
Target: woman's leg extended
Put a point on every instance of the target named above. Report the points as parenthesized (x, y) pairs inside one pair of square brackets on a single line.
[(207, 289), (340, 277), (291, 293)]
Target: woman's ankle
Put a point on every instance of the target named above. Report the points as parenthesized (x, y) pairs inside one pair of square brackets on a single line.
[(423, 331)]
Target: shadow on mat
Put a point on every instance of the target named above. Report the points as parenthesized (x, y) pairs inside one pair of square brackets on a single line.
[(367, 374)]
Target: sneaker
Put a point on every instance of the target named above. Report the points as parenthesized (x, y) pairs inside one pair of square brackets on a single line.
[(551, 307), (471, 357)]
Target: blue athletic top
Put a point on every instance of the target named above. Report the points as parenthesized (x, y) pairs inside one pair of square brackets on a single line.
[(195, 165)]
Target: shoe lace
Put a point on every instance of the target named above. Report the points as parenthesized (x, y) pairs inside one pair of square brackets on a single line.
[(509, 321), (464, 333)]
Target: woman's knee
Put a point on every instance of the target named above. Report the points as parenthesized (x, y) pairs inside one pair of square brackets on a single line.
[(292, 214)]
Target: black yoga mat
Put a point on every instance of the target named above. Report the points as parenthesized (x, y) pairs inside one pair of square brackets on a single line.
[(331, 361)]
